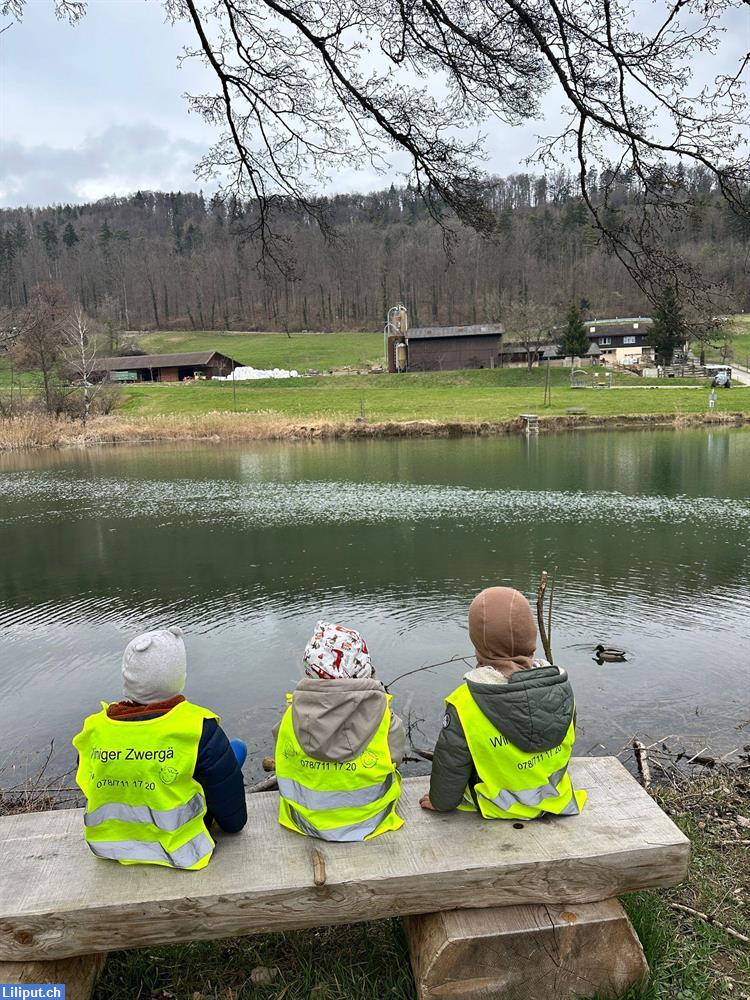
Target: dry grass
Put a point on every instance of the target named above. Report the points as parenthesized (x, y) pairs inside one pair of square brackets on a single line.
[(26, 785), (38, 431)]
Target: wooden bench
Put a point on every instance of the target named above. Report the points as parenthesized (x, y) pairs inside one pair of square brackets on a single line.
[(528, 905)]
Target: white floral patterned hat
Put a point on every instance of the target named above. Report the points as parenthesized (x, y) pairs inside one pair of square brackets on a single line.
[(336, 652)]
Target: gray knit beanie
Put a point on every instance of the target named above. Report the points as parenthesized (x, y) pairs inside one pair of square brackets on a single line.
[(154, 666)]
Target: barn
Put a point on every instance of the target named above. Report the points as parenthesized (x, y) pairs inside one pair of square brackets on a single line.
[(165, 367), (444, 348)]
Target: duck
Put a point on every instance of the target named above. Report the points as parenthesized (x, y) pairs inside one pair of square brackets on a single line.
[(609, 655)]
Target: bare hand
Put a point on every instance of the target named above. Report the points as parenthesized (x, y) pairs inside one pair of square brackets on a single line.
[(425, 803)]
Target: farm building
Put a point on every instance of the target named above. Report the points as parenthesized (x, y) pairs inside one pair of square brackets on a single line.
[(622, 341), (611, 342), (165, 367), (444, 348)]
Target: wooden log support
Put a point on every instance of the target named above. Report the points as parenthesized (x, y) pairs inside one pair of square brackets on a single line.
[(78, 975), (525, 952)]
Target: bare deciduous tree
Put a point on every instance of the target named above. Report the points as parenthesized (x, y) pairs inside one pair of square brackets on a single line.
[(304, 88), (531, 325), (39, 345), (80, 356)]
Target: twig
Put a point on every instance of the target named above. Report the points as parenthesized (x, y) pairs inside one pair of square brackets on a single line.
[(698, 757), (711, 920), (540, 614), (319, 867), (549, 611), (428, 666), (424, 754), (43, 768), (641, 759), (267, 785)]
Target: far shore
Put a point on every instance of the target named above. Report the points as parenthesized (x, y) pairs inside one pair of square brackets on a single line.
[(39, 432)]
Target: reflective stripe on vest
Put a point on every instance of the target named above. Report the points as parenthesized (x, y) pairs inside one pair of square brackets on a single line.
[(143, 803), (164, 819), (337, 800), (535, 796), (310, 798), (511, 782), (343, 834), (151, 851)]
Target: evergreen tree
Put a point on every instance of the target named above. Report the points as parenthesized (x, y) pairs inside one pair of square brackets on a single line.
[(105, 235), (574, 341), (669, 329), (69, 236), (48, 236), (19, 236)]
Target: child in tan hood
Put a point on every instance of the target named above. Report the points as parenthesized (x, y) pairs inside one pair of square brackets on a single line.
[(509, 728), (338, 745)]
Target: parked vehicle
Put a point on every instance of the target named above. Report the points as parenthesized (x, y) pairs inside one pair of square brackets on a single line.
[(721, 376)]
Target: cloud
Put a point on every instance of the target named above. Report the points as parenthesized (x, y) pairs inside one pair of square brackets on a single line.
[(119, 160)]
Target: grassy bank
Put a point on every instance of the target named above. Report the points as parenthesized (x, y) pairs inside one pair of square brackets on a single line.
[(27, 433), (689, 959), (465, 396), (418, 404)]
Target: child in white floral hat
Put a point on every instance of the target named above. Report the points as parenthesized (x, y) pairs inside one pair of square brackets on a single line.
[(338, 744)]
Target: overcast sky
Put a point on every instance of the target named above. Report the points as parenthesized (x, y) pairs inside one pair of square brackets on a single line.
[(97, 108)]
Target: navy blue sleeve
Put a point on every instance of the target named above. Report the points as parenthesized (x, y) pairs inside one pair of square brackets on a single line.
[(218, 772)]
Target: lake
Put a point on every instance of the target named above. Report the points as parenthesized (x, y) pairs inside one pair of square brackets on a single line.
[(246, 546)]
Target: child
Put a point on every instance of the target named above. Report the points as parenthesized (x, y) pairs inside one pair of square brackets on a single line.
[(338, 744), (509, 729), (156, 770)]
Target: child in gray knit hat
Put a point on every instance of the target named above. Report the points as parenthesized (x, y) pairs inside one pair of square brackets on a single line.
[(171, 768)]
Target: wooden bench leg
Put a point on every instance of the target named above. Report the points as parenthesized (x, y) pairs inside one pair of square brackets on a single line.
[(78, 974), (526, 952)]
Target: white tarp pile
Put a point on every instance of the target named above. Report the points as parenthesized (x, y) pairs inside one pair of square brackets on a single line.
[(243, 373)]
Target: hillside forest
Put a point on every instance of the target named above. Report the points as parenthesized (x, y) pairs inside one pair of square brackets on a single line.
[(160, 261)]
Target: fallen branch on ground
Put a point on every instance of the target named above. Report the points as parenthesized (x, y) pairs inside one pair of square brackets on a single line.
[(711, 920), (267, 785), (641, 759)]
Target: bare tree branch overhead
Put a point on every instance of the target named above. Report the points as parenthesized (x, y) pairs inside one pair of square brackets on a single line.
[(305, 87), (68, 10)]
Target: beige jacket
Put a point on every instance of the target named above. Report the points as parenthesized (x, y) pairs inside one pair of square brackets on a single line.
[(336, 719)]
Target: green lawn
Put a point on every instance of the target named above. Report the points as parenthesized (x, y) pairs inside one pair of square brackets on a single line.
[(275, 350), (740, 343), (480, 395)]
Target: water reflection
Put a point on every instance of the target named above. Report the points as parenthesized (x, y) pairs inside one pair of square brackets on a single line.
[(246, 546)]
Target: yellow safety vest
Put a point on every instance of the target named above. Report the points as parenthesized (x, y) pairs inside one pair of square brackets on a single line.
[(143, 804), (514, 784), (337, 800)]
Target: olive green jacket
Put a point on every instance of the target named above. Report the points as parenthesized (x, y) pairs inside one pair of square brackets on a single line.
[(533, 710)]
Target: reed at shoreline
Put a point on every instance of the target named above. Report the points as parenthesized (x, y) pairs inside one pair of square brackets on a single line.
[(37, 431)]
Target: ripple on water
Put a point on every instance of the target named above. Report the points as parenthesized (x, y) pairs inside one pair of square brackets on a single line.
[(263, 503)]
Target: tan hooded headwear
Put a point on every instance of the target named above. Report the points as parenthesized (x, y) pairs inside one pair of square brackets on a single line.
[(502, 629)]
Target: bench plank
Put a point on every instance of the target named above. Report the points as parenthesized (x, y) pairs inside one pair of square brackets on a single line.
[(58, 900)]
